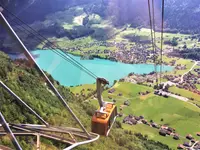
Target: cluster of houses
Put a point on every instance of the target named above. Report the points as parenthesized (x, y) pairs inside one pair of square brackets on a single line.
[(189, 81), (134, 55), (125, 52), (197, 70), (173, 63), (143, 93), (140, 79), (180, 67), (191, 144), (113, 90), (173, 78), (133, 120), (164, 130)]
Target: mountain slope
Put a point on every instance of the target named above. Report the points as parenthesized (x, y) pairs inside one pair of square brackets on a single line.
[(182, 15), (38, 9), (27, 83)]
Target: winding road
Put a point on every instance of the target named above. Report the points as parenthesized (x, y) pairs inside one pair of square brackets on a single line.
[(196, 62), (185, 99)]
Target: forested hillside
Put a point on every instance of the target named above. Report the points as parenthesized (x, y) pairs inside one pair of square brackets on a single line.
[(38, 9), (183, 15), (27, 83), (63, 19), (180, 15)]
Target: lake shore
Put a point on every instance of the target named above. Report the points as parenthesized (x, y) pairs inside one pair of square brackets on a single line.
[(69, 75)]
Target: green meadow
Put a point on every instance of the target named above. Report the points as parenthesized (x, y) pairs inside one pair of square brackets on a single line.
[(182, 116)]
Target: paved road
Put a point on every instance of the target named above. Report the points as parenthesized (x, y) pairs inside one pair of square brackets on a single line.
[(172, 83), (175, 96), (178, 97), (192, 147)]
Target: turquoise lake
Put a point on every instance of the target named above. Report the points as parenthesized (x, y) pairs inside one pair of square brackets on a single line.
[(69, 75)]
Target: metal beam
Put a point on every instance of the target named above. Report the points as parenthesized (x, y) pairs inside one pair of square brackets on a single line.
[(20, 133), (99, 83), (22, 102), (12, 33), (99, 91), (9, 131), (38, 141)]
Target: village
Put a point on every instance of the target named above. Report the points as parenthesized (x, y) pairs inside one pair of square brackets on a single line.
[(183, 77), (165, 130), (122, 52), (188, 81)]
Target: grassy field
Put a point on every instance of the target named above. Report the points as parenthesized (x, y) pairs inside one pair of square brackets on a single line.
[(182, 116), (198, 86), (66, 43), (153, 133), (187, 94), (182, 38), (184, 93), (78, 89), (189, 63)]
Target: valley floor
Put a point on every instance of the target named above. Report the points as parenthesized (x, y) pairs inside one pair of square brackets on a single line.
[(182, 116)]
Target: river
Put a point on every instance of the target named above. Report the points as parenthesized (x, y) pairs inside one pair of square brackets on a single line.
[(69, 75)]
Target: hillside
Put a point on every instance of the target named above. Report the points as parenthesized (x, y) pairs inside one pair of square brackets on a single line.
[(183, 15), (180, 15), (27, 83), (25, 8), (82, 23), (117, 30)]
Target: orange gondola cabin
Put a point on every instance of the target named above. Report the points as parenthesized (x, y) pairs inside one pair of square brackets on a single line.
[(103, 118)]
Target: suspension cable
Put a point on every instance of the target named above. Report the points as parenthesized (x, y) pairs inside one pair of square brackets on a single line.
[(162, 30), (27, 53), (48, 41), (63, 54), (38, 39), (152, 37), (155, 47)]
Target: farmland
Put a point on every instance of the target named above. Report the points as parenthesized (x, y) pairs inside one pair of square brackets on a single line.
[(168, 111)]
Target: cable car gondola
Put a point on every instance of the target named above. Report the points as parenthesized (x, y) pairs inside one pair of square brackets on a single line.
[(105, 116)]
